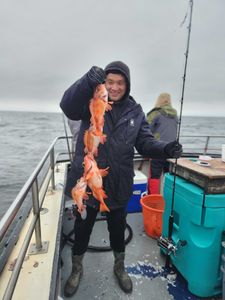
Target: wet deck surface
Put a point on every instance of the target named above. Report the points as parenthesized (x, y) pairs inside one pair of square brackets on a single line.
[(143, 261)]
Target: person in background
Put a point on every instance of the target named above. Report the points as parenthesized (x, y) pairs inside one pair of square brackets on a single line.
[(126, 127), (74, 128), (163, 123)]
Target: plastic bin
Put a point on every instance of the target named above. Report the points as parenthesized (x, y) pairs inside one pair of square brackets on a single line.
[(152, 210)]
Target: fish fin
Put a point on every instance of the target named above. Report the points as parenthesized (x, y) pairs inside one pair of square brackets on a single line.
[(104, 207), (95, 152), (108, 106), (104, 196), (88, 176), (85, 136), (98, 132), (103, 138), (103, 172), (81, 208), (85, 197), (99, 194)]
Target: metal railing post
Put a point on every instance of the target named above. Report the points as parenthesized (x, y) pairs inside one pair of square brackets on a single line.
[(52, 164), (206, 145), (36, 211)]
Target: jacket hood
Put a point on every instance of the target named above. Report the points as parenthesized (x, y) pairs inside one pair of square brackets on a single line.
[(168, 110), (118, 67)]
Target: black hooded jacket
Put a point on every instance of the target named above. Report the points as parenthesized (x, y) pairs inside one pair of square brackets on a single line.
[(125, 130)]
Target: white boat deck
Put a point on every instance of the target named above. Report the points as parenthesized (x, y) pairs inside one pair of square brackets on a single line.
[(36, 275)]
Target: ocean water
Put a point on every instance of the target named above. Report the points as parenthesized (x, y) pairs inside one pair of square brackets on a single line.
[(25, 137)]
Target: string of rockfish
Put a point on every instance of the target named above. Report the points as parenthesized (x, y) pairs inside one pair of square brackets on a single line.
[(92, 176)]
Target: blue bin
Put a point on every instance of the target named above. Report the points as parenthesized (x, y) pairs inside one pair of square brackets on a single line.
[(139, 187), (199, 220)]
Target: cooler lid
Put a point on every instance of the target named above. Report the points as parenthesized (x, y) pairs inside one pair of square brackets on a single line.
[(139, 177), (194, 193), (185, 189)]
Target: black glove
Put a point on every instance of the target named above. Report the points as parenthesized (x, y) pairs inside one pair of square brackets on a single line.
[(96, 76), (173, 149)]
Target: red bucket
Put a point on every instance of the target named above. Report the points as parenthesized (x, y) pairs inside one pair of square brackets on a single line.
[(152, 211)]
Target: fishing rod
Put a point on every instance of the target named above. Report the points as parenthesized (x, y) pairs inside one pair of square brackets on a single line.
[(67, 138), (167, 243)]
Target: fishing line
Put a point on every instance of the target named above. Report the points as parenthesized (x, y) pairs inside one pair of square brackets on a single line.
[(169, 32), (185, 17)]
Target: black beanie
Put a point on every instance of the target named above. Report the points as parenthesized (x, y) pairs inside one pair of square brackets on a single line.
[(120, 68)]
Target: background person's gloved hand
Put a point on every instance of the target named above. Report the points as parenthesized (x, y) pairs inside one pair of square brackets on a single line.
[(96, 76), (173, 149)]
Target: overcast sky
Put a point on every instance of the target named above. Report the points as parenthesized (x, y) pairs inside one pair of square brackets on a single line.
[(46, 45)]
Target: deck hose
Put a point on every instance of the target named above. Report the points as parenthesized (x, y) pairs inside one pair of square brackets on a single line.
[(67, 238)]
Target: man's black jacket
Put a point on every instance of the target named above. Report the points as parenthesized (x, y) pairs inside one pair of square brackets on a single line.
[(130, 130)]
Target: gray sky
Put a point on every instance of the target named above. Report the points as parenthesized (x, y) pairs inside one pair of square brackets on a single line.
[(48, 44)]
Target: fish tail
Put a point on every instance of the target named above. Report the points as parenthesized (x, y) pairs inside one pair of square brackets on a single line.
[(103, 207)]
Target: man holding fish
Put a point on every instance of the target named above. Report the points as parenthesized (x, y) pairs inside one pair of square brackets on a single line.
[(103, 162)]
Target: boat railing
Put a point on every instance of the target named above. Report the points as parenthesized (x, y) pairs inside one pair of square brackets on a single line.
[(202, 144), (37, 194), (195, 145)]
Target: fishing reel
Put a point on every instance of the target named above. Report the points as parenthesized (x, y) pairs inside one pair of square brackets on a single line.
[(169, 246)]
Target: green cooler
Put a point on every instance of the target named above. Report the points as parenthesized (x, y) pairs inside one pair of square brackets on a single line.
[(198, 232)]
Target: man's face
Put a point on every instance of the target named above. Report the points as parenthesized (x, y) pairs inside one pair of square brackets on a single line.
[(116, 86)]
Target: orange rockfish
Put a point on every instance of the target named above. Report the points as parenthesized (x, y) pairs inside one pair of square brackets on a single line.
[(98, 106), (79, 193), (92, 141), (94, 175)]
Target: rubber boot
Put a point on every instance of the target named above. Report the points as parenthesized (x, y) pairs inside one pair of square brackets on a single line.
[(73, 281), (122, 276), (153, 186)]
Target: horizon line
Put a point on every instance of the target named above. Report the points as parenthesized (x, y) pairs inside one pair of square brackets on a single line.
[(58, 112)]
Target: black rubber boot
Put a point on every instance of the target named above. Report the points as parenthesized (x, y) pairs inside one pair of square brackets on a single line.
[(73, 281), (122, 276)]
